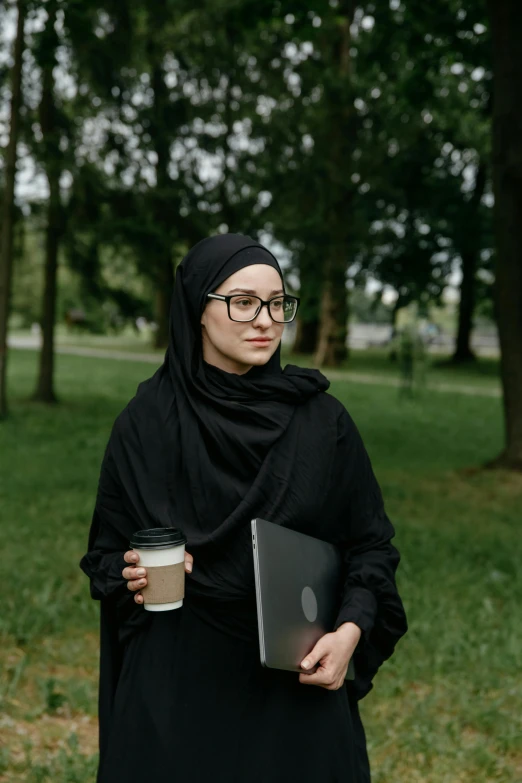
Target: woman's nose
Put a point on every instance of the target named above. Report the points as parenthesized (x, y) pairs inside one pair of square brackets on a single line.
[(263, 317)]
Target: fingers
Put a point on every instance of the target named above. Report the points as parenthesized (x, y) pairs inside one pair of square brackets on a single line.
[(321, 678), (137, 576), (134, 573), (136, 584), (132, 557), (314, 656)]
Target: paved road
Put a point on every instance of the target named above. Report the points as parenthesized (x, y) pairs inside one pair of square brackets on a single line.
[(33, 343)]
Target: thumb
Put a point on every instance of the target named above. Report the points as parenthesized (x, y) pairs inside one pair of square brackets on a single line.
[(314, 656)]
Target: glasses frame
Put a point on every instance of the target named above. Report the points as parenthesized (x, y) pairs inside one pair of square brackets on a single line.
[(223, 298)]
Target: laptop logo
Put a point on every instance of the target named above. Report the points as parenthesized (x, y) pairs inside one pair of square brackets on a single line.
[(309, 604)]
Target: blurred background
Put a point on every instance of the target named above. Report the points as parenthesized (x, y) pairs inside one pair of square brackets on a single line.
[(376, 149)]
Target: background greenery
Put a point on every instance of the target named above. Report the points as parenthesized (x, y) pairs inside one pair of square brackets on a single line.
[(444, 709), (354, 138)]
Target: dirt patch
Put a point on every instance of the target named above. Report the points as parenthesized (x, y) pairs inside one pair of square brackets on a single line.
[(47, 735)]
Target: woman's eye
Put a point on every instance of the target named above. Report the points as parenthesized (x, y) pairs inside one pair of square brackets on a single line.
[(244, 302)]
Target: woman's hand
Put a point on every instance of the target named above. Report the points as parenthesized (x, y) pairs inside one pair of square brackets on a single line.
[(332, 652), (137, 576)]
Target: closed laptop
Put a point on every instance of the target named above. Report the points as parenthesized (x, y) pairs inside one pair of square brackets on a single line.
[(298, 590)]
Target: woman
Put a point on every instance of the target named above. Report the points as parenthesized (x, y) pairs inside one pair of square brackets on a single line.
[(220, 435)]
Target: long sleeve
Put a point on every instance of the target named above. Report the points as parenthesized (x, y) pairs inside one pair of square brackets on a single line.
[(111, 529), (369, 596)]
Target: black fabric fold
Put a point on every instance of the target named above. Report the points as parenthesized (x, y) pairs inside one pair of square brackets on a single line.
[(370, 597)]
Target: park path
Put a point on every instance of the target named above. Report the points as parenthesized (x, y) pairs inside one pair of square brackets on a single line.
[(333, 375)]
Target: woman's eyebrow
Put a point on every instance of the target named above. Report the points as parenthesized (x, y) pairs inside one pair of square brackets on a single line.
[(253, 293)]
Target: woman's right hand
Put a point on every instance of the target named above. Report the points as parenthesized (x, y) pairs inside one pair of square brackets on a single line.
[(137, 575)]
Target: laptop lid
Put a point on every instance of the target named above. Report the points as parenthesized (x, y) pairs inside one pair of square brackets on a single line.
[(298, 583)]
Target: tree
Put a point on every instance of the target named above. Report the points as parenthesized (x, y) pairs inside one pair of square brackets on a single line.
[(313, 175), (6, 248), (331, 347), (469, 246), (506, 28), (146, 109), (52, 159)]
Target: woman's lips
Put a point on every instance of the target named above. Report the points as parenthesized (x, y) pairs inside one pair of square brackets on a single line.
[(260, 341)]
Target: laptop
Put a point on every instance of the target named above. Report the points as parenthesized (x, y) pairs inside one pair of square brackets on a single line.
[(298, 590)]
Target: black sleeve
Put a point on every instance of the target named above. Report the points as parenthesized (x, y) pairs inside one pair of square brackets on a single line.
[(110, 531), (369, 596)]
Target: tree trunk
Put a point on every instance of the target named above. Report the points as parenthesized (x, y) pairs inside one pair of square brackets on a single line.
[(52, 160), (506, 22), (463, 351), (164, 286), (395, 312), (228, 211), (6, 248), (44, 391), (161, 132), (332, 342), (306, 335), (331, 348), (307, 332), (470, 255)]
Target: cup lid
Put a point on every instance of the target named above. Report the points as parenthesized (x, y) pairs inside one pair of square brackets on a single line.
[(157, 538)]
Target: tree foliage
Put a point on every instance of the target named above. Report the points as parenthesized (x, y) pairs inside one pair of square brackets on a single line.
[(352, 135)]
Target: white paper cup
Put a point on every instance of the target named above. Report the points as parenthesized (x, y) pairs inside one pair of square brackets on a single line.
[(162, 553)]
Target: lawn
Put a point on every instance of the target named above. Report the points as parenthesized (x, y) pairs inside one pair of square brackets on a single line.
[(444, 709), (484, 373)]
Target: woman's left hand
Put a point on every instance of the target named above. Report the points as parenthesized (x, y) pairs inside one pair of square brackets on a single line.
[(332, 653)]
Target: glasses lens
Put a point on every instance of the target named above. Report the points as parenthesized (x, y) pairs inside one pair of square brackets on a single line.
[(283, 309), (243, 307)]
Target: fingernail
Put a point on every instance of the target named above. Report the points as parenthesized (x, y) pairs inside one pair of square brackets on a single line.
[(142, 581), (189, 566), (305, 664), (141, 572)]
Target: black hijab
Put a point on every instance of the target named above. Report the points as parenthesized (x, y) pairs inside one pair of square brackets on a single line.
[(206, 450), (238, 418)]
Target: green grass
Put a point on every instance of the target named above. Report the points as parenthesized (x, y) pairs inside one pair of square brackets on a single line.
[(484, 373), (444, 709)]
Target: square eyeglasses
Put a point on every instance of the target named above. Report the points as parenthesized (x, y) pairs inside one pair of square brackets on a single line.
[(246, 307)]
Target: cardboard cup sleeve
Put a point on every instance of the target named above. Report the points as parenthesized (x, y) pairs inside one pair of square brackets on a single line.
[(165, 584)]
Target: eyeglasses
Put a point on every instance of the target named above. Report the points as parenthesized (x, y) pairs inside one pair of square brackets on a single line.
[(244, 307)]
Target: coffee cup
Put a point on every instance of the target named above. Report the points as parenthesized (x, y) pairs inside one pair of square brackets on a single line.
[(162, 553)]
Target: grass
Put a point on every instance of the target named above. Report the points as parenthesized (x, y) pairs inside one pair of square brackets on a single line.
[(444, 709), (484, 373)]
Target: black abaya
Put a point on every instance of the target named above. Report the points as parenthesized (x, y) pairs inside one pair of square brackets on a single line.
[(183, 694)]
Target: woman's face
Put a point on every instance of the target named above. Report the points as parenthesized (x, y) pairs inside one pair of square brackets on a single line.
[(231, 345)]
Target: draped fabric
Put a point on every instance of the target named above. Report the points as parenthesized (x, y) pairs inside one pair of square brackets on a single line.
[(207, 450)]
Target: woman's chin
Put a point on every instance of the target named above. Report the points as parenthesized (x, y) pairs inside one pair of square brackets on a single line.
[(257, 359)]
